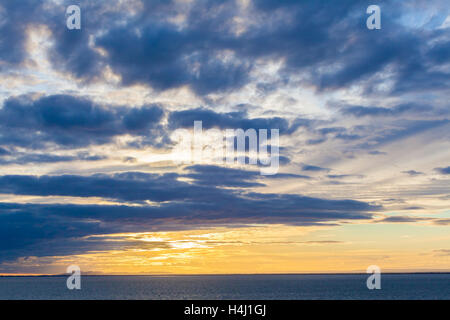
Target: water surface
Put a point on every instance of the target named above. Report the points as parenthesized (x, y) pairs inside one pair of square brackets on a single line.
[(253, 287)]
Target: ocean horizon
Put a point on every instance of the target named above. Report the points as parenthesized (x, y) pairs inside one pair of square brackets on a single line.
[(339, 286)]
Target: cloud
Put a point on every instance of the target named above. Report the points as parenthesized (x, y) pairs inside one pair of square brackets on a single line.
[(12, 32), (407, 128), (308, 167), (442, 252), (221, 51), (4, 152), (412, 173), (71, 121), (41, 230), (25, 227), (139, 186), (403, 219), (129, 186), (441, 222), (324, 242), (180, 205), (344, 176), (233, 177), (414, 219), (165, 58), (376, 153), (323, 134), (208, 52), (362, 111), (443, 170), (231, 120), (27, 158)]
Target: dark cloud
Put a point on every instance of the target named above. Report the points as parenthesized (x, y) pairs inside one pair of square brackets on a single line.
[(42, 230), (233, 177), (413, 172), (315, 141), (165, 58), (376, 153), (443, 170), (361, 111), (402, 129), (28, 158), (308, 167), (232, 120), (4, 152), (203, 202), (343, 176), (341, 133), (440, 52), (71, 121), (283, 160), (329, 130), (348, 137), (442, 222), (403, 219), (414, 208), (130, 186), (14, 16), (207, 53), (415, 219), (139, 186)]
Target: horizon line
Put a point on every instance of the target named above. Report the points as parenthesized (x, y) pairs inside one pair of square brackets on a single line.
[(221, 274)]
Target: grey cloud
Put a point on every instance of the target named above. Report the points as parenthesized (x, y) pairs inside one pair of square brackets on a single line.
[(445, 170)]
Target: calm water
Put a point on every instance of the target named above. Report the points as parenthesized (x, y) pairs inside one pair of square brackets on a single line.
[(393, 286)]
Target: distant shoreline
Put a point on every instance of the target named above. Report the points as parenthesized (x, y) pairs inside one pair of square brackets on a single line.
[(224, 275)]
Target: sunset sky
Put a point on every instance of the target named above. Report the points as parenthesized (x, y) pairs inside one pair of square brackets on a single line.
[(88, 117)]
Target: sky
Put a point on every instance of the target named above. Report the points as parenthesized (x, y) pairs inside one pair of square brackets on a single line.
[(90, 170)]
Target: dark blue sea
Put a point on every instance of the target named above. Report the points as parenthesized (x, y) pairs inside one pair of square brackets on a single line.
[(254, 287)]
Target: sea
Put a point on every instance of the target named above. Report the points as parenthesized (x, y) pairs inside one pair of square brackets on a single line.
[(415, 286)]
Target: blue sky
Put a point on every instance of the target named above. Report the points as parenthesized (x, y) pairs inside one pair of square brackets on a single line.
[(87, 120)]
